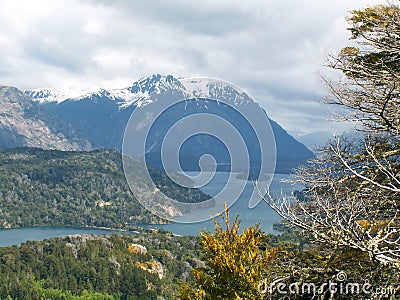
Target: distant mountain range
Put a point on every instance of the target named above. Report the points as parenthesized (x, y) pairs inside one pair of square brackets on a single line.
[(97, 118), (316, 139)]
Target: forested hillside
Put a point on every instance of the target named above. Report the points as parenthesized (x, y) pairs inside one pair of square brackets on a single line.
[(134, 266), (39, 187)]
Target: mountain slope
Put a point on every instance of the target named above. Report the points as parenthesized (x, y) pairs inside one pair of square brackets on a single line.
[(25, 123), (290, 152)]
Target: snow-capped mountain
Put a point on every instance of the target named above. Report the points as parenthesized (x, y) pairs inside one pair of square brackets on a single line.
[(138, 93), (102, 116)]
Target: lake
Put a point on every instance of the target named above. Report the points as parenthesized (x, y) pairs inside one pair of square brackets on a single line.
[(261, 214), (16, 236)]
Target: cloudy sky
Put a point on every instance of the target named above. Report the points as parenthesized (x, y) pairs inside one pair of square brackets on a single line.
[(272, 48)]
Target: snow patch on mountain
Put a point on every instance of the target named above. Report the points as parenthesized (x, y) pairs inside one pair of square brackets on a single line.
[(130, 98), (206, 88), (53, 95), (47, 95)]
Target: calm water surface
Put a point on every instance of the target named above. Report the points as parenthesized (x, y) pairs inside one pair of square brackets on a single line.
[(261, 214), (16, 236)]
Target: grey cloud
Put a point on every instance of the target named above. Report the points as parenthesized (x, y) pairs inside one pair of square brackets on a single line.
[(271, 48), (206, 17), (60, 54)]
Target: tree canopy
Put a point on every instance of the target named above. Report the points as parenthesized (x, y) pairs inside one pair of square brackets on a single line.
[(353, 186)]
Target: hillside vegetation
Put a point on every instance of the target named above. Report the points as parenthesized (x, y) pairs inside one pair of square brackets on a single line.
[(125, 266), (51, 187)]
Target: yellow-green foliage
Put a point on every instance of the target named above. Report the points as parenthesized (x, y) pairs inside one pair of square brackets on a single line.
[(235, 262)]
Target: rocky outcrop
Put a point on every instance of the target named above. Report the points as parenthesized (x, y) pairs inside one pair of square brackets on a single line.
[(153, 266), (136, 248), (23, 123)]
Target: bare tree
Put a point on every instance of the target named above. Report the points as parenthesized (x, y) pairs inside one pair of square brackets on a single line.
[(352, 195)]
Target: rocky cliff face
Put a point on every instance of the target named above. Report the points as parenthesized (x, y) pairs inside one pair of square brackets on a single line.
[(23, 123)]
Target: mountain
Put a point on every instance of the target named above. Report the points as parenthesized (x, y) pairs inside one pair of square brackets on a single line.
[(25, 123), (315, 139), (102, 115)]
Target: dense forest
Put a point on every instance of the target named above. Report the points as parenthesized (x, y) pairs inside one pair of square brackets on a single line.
[(49, 187), (124, 266)]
